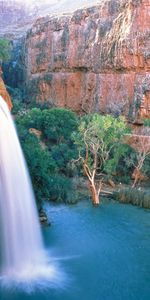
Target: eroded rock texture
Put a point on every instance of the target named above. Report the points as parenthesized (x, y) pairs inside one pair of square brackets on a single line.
[(4, 94), (97, 59)]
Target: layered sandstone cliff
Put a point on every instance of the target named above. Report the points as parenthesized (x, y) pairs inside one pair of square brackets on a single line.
[(97, 59)]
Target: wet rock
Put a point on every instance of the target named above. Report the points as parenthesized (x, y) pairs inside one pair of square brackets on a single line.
[(43, 218)]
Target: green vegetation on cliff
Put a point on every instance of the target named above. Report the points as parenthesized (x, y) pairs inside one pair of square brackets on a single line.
[(5, 49), (45, 136), (54, 139)]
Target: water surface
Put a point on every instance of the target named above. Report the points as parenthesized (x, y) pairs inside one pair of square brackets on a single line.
[(104, 251)]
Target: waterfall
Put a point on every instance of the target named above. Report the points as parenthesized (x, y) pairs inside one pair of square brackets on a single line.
[(22, 255)]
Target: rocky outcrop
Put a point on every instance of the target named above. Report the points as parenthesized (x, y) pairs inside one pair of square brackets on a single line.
[(44, 218), (96, 59), (4, 94), (16, 17)]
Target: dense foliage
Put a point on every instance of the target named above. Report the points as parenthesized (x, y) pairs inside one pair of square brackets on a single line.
[(54, 139), (99, 142), (5, 48), (123, 170), (45, 136), (146, 166), (146, 122)]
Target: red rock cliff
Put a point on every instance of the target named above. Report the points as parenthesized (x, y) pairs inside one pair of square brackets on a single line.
[(97, 59), (4, 94)]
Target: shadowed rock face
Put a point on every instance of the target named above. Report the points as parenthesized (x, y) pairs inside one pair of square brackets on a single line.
[(97, 59)]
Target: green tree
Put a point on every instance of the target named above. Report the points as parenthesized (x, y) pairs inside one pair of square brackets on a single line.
[(58, 125), (97, 137), (30, 119), (48, 150), (5, 50), (142, 151), (41, 165), (146, 166), (63, 155), (124, 170)]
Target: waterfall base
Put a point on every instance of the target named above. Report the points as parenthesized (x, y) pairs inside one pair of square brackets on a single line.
[(45, 275)]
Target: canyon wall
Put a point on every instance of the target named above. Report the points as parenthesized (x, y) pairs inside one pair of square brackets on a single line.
[(95, 59)]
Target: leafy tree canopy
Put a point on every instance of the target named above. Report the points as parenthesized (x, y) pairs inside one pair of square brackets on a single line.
[(98, 140), (58, 124), (48, 155)]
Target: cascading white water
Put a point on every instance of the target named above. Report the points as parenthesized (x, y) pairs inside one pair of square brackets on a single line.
[(22, 256)]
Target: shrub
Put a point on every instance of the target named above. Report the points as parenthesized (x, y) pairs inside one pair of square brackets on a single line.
[(49, 166), (125, 168), (58, 188), (58, 125), (30, 119), (41, 165), (146, 166), (134, 196), (146, 122)]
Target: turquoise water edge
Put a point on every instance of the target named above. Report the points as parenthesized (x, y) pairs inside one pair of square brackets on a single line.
[(102, 253)]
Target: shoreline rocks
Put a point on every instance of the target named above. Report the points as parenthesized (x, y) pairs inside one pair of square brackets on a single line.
[(43, 218)]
